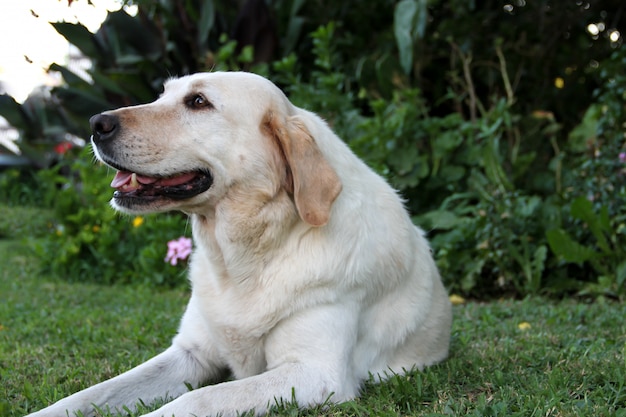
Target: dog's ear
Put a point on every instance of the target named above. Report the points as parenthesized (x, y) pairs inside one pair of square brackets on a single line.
[(313, 182)]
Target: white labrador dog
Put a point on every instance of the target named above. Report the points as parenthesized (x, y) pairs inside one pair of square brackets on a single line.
[(307, 274)]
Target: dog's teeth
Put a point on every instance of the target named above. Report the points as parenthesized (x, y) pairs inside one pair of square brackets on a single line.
[(133, 181)]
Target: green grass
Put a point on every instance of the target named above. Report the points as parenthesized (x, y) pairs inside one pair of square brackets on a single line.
[(24, 221), (57, 338)]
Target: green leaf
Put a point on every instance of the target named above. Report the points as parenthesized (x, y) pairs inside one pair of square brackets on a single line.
[(421, 19), (78, 35), (133, 84), (493, 167), (404, 15), (538, 263), (207, 19), (409, 24), (528, 206), (445, 142), (384, 66), (70, 77), (142, 35), (11, 111), (247, 54), (441, 219), (406, 159), (620, 274), (564, 246), (82, 102), (129, 59), (105, 82), (488, 130), (586, 131), (582, 209), (452, 172), (294, 28)]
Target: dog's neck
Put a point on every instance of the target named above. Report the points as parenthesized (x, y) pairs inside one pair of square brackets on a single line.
[(242, 230)]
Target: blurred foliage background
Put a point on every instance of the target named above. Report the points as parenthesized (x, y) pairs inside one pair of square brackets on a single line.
[(501, 122)]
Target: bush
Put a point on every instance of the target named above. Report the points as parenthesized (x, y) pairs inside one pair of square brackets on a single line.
[(491, 191), (507, 143), (21, 187), (591, 238), (91, 242)]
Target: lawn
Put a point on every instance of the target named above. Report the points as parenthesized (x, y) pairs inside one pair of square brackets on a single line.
[(531, 357)]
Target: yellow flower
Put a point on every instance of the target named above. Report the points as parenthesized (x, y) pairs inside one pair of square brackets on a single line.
[(95, 228), (559, 82), (524, 325), (137, 221), (456, 299)]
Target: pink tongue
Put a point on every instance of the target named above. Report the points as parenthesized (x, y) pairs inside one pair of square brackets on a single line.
[(120, 179), (123, 177)]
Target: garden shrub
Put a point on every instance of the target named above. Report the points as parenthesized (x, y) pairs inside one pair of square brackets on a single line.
[(489, 191), (91, 242), (21, 187), (511, 164), (592, 237)]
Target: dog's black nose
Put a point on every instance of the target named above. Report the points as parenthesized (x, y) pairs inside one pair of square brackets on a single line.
[(103, 126)]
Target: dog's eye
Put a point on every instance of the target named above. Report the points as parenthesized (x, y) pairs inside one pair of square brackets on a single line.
[(197, 101)]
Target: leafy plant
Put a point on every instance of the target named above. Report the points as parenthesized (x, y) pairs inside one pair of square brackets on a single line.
[(607, 256), (42, 127), (493, 137), (132, 57), (91, 242), (593, 235)]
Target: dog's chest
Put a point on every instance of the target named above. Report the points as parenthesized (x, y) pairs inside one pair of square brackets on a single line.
[(241, 300), (238, 324), (240, 339), (244, 353)]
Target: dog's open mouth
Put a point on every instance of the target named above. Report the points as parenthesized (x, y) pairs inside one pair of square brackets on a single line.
[(131, 185)]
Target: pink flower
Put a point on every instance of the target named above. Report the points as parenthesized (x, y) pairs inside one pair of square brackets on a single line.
[(622, 157), (178, 249)]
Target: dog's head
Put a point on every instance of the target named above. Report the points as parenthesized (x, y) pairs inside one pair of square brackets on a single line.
[(206, 134)]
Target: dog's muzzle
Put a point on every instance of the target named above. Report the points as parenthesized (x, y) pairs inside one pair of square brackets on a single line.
[(134, 188)]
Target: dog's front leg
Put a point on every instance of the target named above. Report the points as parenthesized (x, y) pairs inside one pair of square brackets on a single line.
[(191, 360), (309, 361), (305, 383), (165, 375)]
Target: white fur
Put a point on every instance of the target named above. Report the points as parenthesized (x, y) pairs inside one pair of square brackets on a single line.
[(280, 304)]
